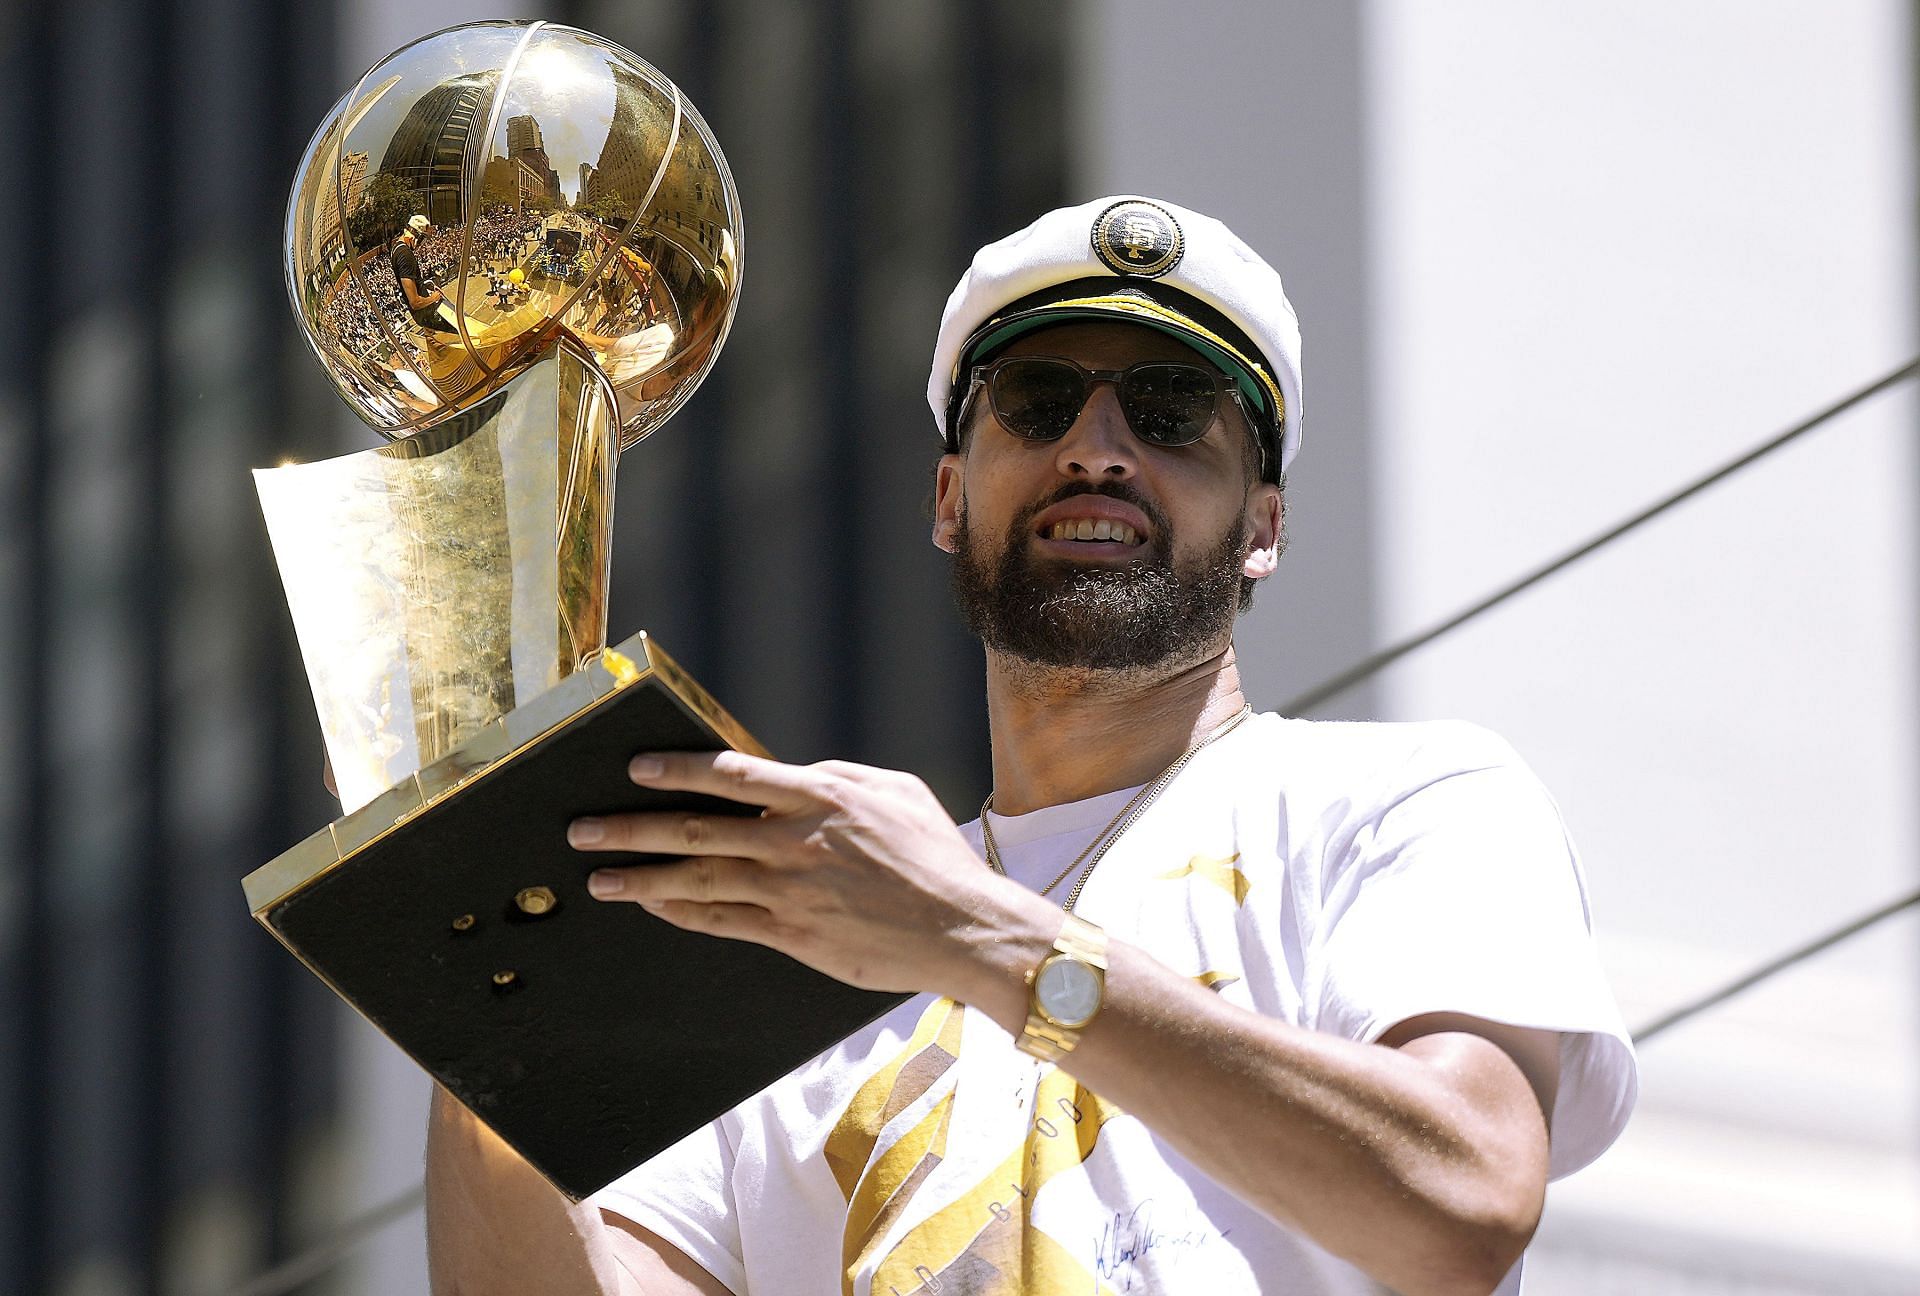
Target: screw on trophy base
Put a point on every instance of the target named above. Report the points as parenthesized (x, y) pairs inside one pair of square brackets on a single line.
[(515, 248)]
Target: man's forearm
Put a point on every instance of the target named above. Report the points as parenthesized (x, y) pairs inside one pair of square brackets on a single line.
[(1424, 1164), (495, 1226), (1403, 1161)]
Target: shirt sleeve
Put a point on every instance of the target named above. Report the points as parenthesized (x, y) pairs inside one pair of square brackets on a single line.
[(685, 1195), (1462, 893)]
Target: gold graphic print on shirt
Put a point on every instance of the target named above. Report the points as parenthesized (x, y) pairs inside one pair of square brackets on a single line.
[(982, 1243), (1221, 872)]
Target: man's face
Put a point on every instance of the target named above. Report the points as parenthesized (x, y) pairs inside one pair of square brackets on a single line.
[(1176, 528)]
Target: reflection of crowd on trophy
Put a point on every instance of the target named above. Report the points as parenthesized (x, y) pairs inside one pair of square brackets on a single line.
[(500, 239), (346, 315), (500, 235), (519, 261)]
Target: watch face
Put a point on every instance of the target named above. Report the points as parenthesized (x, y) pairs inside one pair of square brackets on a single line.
[(1067, 990)]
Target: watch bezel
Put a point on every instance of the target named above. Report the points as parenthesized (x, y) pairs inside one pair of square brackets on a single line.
[(1046, 1010)]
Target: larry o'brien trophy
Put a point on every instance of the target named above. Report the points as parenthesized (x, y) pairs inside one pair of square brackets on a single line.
[(516, 249)]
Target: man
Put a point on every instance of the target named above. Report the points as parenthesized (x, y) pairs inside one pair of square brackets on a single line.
[(1324, 1011), (422, 297)]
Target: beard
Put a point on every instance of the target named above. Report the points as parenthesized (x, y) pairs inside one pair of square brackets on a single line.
[(1151, 612)]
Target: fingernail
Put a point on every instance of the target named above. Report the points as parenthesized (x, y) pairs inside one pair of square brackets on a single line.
[(644, 767), (602, 884), (586, 832)]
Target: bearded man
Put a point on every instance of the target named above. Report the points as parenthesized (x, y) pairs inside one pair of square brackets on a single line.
[(1206, 1001)]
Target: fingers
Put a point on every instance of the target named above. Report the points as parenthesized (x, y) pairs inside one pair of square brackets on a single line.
[(704, 879), (671, 833), (752, 780), (745, 922), (709, 894)]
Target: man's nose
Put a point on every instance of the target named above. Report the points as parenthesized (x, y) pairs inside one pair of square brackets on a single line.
[(1099, 444)]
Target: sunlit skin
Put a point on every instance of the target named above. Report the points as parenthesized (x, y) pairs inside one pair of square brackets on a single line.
[(1061, 735), (1421, 1159)]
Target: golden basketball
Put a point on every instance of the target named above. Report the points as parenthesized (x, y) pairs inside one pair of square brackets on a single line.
[(529, 150)]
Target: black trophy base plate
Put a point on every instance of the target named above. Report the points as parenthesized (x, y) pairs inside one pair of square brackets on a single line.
[(590, 1036)]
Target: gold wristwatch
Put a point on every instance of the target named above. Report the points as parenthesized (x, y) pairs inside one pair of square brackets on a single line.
[(1065, 992)]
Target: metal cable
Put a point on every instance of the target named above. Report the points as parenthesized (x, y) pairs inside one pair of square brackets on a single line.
[(326, 1253), (1675, 1016), (1379, 661)]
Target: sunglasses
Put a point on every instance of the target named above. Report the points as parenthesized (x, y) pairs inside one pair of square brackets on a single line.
[(1166, 402)]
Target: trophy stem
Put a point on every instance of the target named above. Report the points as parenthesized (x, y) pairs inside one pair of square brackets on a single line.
[(441, 581)]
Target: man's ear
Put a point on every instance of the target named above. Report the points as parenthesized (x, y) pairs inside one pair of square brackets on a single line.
[(949, 489), (1266, 515)]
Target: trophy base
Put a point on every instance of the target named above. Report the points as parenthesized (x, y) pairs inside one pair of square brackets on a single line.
[(451, 913)]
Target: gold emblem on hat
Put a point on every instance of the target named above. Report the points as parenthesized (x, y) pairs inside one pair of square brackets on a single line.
[(1136, 237)]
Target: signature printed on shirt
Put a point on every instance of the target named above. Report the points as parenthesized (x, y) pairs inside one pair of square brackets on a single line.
[(1129, 1237)]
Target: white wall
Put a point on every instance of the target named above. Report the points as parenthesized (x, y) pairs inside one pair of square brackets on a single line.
[(1613, 249), (1602, 248)]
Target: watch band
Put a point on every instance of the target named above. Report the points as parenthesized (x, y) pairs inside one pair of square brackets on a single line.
[(1044, 1036)]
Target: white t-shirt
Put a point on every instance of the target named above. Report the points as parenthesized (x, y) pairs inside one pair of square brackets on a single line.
[(1340, 877)]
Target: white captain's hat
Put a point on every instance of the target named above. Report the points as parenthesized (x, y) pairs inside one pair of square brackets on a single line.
[(1139, 259)]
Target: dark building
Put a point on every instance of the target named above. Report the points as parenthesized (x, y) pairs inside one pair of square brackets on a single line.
[(429, 151), (528, 147)]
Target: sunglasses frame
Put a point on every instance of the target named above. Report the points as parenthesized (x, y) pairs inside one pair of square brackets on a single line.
[(983, 376)]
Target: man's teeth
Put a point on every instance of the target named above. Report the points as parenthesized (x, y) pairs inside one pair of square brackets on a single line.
[(1089, 529)]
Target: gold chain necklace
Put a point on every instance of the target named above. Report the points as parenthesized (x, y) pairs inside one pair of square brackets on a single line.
[(1117, 826)]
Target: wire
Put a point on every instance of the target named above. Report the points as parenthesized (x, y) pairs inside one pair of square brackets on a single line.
[(329, 1251), (1674, 1017), (1386, 657)]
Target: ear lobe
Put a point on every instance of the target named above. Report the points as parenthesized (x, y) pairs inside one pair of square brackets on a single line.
[(949, 490), (1265, 517)]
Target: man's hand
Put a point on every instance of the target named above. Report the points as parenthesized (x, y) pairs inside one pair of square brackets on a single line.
[(855, 871)]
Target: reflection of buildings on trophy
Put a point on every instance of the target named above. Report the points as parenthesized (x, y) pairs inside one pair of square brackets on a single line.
[(329, 239), (527, 148), (428, 153)]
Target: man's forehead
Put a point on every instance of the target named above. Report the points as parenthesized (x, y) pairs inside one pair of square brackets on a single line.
[(1103, 343)]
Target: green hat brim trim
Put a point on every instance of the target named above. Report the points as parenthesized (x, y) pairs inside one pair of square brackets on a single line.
[(1250, 378)]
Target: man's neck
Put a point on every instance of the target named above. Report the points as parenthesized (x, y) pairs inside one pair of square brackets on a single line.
[(1065, 735)]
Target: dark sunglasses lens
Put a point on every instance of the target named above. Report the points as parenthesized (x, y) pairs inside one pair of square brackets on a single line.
[(1168, 404), (1038, 399)]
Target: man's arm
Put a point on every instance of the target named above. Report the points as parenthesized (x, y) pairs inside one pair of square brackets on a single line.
[(496, 1228), (1423, 1164), (415, 300)]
